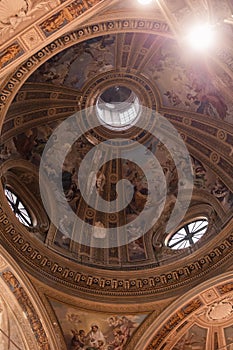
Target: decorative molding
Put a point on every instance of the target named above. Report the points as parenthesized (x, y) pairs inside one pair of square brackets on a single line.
[(69, 11), (220, 310), (200, 305), (17, 15), (10, 53), (151, 284), (26, 305), (83, 33), (32, 38), (66, 15), (18, 291), (174, 321)]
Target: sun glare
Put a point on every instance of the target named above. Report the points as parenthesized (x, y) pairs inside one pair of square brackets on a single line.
[(201, 37), (144, 2)]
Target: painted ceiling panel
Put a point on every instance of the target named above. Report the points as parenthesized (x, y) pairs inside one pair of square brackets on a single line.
[(194, 93), (93, 330)]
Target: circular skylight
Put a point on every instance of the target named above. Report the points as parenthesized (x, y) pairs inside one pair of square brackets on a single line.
[(118, 107), (188, 234), (18, 208)]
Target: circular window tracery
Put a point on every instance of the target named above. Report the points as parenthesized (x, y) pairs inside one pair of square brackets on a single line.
[(188, 234), (18, 208), (118, 107)]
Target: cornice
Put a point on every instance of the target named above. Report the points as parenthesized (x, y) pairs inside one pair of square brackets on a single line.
[(152, 283), (46, 29)]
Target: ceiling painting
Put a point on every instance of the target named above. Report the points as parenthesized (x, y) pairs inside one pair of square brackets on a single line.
[(184, 81), (193, 93), (74, 66), (199, 335), (195, 338), (188, 85), (29, 147), (95, 331)]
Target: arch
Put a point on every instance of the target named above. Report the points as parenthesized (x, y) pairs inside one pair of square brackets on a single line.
[(165, 330), (21, 310)]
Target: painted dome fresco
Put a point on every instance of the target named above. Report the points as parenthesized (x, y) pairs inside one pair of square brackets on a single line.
[(116, 191), (133, 80)]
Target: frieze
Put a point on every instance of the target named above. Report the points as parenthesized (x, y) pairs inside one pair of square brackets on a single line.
[(220, 166), (194, 116), (113, 286), (10, 53), (210, 136), (66, 15), (214, 160), (225, 288), (220, 171), (229, 139), (28, 308), (59, 44), (226, 166), (207, 128), (32, 120), (194, 143)]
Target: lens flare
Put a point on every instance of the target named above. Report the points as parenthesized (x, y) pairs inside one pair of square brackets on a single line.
[(144, 2), (201, 37)]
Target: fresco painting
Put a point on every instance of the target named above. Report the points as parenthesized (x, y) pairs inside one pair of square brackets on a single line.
[(188, 86), (228, 332), (205, 179), (194, 339), (10, 330), (95, 331), (75, 65), (183, 83), (30, 144)]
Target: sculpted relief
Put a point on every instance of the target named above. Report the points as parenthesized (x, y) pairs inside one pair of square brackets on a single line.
[(14, 13)]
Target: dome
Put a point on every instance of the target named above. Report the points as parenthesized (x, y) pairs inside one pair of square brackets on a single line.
[(116, 175)]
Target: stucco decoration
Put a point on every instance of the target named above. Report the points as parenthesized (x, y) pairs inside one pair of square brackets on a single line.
[(124, 47), (220, 310), (16, 14), (195, 321)]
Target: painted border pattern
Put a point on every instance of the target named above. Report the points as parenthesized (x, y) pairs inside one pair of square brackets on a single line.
[(25, 69), (112, 286)]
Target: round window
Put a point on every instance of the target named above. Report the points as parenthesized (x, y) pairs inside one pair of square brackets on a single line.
[(118, 107), (188, 234), (18, 208)]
